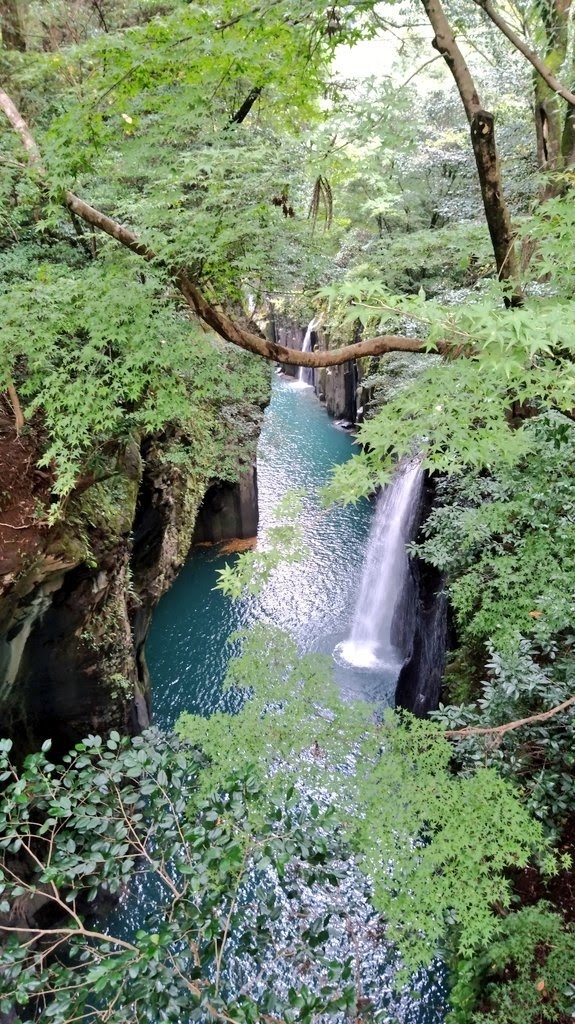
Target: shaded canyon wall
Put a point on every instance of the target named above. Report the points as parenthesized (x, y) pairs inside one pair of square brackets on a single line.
[(420, 628), (75, 610)]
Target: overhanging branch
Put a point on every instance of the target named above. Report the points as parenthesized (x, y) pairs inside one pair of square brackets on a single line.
[(214, 318), (227, 328)]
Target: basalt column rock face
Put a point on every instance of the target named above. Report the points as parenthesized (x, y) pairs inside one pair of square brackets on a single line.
[(75, 673), (174, 513), (285, 332), (337, 386), (229, 511), (421, 630), (66, 665), (419, 684), (76, 599)]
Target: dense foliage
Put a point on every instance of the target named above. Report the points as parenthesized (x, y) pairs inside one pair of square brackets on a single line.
[(223, 846), (120, 814), (108, 361), (511, 532), (149, 126), (213, 130)]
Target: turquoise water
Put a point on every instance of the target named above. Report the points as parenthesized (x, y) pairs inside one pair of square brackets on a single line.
[(187, 650)]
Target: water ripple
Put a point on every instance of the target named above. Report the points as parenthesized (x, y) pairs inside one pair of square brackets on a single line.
[(188, 648)]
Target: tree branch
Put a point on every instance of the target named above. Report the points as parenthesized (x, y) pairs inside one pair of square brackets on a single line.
[(213, 317), (519, 44), (16, 407), (227, 328), (243, 111), (68, 933), (221, 26), (500, 730), (418, 71), (445, 44), (21, 128), (98, 8)]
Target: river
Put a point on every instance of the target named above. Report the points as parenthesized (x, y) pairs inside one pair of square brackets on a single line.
[(314, 600)]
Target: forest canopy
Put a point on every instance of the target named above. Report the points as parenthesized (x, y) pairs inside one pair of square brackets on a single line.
[(211, 143)]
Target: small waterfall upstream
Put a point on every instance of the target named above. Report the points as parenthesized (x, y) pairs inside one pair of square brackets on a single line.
[(370, 644), (305, 375)]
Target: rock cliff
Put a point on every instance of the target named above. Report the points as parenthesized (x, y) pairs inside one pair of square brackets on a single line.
[(76, 597)]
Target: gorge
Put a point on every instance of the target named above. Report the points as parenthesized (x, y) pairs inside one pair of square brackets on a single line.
[(183, 187), (192, 639), (313, 600)]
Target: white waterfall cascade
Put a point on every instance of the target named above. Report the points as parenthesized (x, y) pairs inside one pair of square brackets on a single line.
[(384, 572), (305, 374)]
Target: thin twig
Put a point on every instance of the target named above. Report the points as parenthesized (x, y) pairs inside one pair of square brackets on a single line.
[(69, 933), (220, 951), (419, 70)]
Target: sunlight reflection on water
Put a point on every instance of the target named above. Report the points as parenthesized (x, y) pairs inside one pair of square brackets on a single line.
[(313, 600), (188, 648)]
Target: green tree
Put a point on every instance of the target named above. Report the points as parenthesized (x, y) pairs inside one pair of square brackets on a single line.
[(209, 192), (207, 205), (546, 23), (154, 175), (125, 813), (245, 813)]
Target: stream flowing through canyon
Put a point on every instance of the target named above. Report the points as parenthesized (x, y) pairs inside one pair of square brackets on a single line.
[(313, 600)]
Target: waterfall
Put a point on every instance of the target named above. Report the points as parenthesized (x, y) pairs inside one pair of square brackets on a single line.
[(385, 569), (305, 375)]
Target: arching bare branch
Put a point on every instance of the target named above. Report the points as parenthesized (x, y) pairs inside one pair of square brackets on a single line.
[(500, 730), (215, 318), (520, 44)]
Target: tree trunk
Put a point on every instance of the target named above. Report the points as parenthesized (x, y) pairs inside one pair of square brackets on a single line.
[(554, 120), (554, 124), (496, 212), (13, 36), (568, 139), (548, 126), (561, 14), (481, 125)]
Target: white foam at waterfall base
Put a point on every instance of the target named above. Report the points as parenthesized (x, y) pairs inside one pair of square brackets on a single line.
[(367, 656), (384, 573)]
